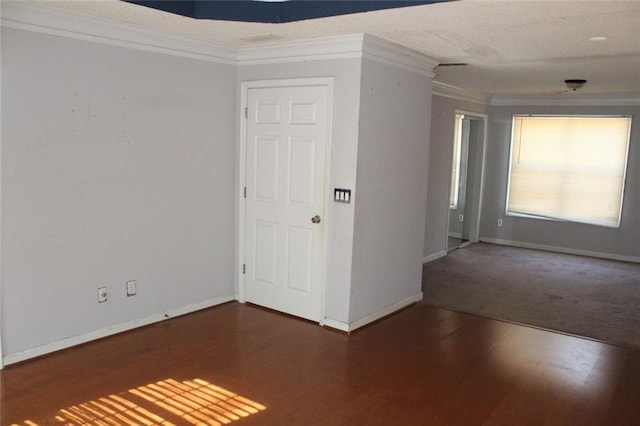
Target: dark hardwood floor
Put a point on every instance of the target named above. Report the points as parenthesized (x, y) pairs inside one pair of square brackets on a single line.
[(421, 366)]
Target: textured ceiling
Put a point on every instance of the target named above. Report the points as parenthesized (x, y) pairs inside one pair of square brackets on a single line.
[(511, 47)]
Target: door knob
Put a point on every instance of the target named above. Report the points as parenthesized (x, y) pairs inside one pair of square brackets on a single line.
[(315, 219)]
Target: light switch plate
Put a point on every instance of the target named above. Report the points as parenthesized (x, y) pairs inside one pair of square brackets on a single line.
[(341, 195)]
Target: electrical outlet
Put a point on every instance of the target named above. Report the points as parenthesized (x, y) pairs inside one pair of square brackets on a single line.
[(499, 222), (103, 295), (461, 218), (131, 288)]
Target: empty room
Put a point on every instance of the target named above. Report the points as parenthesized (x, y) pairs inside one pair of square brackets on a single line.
[(319, 212)]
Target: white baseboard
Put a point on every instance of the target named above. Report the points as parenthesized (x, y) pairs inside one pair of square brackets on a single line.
[(611, 256), (109, 331), (338, 325), (349, 327), (434, 256)]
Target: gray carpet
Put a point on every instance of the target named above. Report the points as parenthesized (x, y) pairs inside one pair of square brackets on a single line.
[(578, 295)]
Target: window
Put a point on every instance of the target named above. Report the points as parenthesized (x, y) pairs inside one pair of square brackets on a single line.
[(568, 168), (455, 166)]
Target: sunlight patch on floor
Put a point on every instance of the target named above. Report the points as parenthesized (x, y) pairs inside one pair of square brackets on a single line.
[(162, 403)]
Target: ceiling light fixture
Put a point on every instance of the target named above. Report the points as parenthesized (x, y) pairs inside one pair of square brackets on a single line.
[(598, 38), (574, 84)]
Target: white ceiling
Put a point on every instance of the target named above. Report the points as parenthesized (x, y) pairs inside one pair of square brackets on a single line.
[(512, 47)]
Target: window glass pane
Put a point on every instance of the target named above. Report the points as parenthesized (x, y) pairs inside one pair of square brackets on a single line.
[(569, 168), (455, 166)]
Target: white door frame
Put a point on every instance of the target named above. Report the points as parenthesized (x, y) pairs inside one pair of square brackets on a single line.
[(474, 235), (1, 353), (242, 176)]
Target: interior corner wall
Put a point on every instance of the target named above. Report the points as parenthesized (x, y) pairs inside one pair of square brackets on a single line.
[(342, 171), (619, 242), (117, 164), (390, 198), (440, 160)]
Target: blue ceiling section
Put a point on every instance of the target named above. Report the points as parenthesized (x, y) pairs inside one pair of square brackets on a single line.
[(271, 12)]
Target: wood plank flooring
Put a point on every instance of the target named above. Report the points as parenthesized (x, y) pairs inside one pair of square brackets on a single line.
[(239, 364)]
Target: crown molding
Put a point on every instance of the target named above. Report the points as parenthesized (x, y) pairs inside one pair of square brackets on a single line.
[(380, 50), (454, 92), (338, 47), (568, 99), (37, 18), (348, 46)]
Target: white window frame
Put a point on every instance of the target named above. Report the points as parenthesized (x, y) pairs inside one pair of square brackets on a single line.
[(624, 174), (454, 189)]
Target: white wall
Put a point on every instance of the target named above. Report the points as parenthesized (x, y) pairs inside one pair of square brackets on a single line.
[(439, 168), (117, 164), (344, 139), (622, 242), (121, 163), (390, 200)]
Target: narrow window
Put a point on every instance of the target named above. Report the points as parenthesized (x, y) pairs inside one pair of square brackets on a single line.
[(455, 166), (568, 168)]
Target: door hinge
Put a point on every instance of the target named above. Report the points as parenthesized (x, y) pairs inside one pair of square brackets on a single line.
[(244, 268), (244, 192), (246, 112)]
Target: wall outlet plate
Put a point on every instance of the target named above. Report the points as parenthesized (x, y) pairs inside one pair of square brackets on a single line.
[(131, 288), (103, 295)]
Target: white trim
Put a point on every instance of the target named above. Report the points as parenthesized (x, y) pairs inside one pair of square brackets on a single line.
[(474, 236), (568, 99), (557, 249), (348, 46), (434, 256), (1, 282), (338, 47), (328, 82), (328, 198), (37, 18), (465, 244), (242, 184), (454, 92), (109, 331), (475, 232), (386, 52), (349, 327), (338, 325), (285, 82)]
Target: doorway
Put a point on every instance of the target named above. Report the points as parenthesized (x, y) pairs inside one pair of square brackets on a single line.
[(466, 179), (286, 144)]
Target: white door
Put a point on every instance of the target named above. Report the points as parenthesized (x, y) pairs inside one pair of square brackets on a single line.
[(286, 144)]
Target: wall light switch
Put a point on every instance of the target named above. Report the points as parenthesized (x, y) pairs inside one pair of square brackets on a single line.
[(342, 195)]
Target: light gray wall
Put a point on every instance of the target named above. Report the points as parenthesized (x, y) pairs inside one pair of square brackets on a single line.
[(390, 199), (439, 169), (117, 164), (344, 140), (623, 241)]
